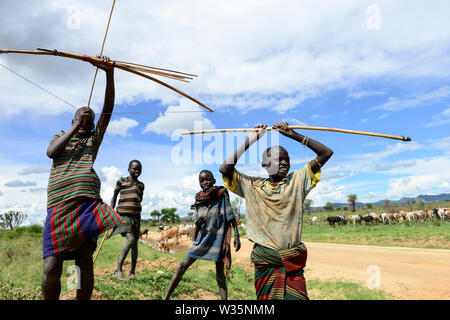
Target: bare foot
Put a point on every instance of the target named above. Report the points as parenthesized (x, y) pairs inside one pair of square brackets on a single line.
[(119, 275)]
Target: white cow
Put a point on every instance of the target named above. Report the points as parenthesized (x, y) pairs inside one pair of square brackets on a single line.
[(385, 218), (186, 230), (314, 220), (442, 213), (410, 216), (354, 218), (420, 215)]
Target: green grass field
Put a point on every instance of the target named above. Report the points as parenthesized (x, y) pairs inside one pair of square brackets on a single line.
[(415, 235), (21, 262), (424, 234), (21, 271)]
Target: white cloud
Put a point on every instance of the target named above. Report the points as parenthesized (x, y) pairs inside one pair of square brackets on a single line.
[(389, 150), (178, 195), (175, 119), (325, 192), (413, 185), (109, 176), (419, 100), (293, 121), (307, 49), (445, 185), (442, 144), (31, 201), (20, 183), (440, 119), (33, 169), (365, 93), (121, 126)]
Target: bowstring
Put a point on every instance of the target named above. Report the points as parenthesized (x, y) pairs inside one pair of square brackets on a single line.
[(40, 87)]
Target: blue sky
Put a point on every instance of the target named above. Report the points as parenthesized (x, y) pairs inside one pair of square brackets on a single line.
[(362, 65)]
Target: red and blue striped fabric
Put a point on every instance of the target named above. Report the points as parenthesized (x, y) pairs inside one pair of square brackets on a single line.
[(74, 222), (279, 274)]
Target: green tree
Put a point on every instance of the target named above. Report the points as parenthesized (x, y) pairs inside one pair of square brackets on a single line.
[(236, 204), (191, 215), (169, 215), (155, 214), (351, 199), (369, 206), (329, 206), (307, 203), (12, 219)]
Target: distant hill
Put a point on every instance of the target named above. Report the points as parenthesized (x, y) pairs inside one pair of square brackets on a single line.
[(424, 198), (404, 200)]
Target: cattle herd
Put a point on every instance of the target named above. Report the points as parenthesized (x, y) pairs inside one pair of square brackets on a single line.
[(441, 214), (166, 233)]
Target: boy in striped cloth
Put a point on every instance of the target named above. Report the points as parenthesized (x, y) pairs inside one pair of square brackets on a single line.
[(76, 214), (274, 212), (212, 236), (131, 192)]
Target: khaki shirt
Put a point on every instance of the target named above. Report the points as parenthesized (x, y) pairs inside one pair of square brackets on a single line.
[(274, 214)]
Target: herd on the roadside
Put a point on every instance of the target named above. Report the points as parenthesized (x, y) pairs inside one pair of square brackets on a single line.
[(176, 233), (439, 214)]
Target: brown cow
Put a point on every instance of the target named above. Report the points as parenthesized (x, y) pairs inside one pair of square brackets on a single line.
[(164, 236)]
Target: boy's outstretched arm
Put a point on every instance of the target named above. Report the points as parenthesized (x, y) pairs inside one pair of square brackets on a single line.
[(227, 167), (108, 104), (323, 152)]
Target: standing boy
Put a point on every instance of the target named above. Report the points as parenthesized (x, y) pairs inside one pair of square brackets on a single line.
[(215, 217), (131, 192), (76, 214), (274, 212)]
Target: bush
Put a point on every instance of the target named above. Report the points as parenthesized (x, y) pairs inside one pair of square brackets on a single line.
[(32, 230), (9, 292), (35, 228)]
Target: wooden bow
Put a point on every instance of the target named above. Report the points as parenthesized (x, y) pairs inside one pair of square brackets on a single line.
[(135, 68)]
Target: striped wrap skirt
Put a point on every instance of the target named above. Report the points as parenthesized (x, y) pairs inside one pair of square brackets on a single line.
[(132, 224), (279, 274), (71, 224)]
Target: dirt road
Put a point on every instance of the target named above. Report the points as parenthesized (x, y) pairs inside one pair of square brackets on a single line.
[(404, 273)]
